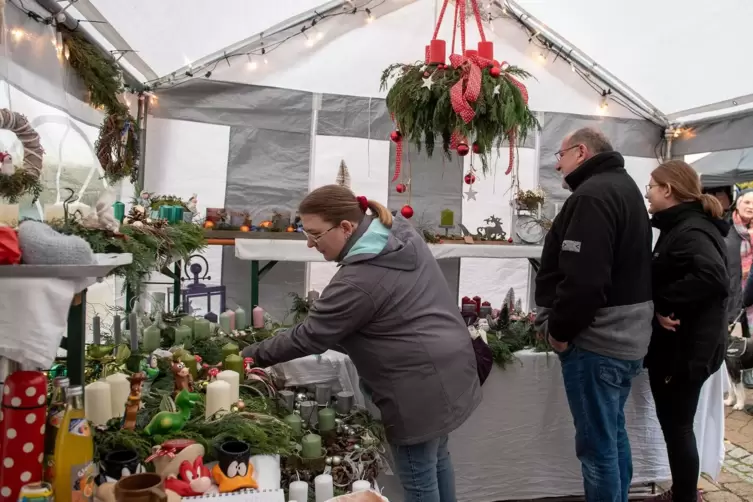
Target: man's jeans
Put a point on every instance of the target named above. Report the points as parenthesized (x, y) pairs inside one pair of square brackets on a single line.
[(597, 388), (425, 471)]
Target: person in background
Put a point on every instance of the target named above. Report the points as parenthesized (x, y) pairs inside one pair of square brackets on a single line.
[(739, 243), (390, 309), (723, 195), (691, 285), (593, 290)]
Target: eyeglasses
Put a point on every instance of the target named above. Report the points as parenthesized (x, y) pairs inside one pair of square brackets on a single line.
[(315, 238), (650, 186), (558, 155)]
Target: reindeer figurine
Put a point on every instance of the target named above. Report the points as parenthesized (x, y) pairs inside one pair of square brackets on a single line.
[(133, 405), (493, 230), (182, 377)]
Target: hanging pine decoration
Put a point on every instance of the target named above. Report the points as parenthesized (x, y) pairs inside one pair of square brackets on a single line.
[(343, 176), (473, 100)]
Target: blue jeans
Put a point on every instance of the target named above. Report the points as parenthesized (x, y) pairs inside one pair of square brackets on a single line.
[(425, 471), (597, 388)]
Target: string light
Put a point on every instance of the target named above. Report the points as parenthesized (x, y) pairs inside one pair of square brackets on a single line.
[(369, 17), (604, 102), (18, 34)]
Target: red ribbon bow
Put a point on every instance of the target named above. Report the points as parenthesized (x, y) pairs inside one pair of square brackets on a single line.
[(162, 452), (468, 88), (363, 203)]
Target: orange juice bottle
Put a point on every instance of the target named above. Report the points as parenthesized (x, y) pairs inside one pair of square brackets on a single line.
[(55, 413), (74, 453)]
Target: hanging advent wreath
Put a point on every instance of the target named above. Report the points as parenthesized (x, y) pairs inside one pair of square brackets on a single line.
[(15, 183), (474, 103)]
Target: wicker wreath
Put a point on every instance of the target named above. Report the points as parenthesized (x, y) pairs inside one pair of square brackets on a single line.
[(26, 179)]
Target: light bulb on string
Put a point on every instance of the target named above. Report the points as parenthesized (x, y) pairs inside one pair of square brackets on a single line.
[(369, 17), (604, 103), (18, 34), (251, 65)]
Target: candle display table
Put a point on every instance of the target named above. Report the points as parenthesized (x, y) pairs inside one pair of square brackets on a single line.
[(519, 444), (37, 303)]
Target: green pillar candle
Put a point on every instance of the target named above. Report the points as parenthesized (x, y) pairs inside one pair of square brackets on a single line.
[(240, 319), (152, 338), (119, 211), (311, 446), (164, 212), (177, 214), (230, 349), (295, 423), (201, 329), (234, 362), (326, 419), (226, 322), (183, 335), (189, 321), (446, 218), (190, 361)]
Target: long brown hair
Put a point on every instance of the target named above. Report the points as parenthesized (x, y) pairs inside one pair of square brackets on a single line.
[(335, 203), (686, 186)]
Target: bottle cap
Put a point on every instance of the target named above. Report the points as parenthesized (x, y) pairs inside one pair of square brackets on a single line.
[(61, 382), (75, 390)]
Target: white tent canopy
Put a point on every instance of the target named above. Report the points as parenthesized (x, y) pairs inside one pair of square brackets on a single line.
[(682, 56)]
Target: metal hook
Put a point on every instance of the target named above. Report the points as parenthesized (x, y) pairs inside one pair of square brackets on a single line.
[(71, 198)]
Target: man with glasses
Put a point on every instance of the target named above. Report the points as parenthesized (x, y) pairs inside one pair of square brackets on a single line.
[(593, 292)]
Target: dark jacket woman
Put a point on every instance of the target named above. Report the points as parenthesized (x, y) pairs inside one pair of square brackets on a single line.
[(690, 283)]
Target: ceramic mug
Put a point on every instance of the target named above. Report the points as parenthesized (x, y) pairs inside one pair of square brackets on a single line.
[(231, 451), (145, 487), (118, 464)]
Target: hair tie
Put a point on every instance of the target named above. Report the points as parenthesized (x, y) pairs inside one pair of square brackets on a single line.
[(363, 203)]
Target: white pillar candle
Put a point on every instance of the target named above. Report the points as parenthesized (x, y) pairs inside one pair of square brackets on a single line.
[(9, 214), (298, 491), (218, 397), (323, 488), (120, 388), (97, 402), (233, 379), (361, 485)]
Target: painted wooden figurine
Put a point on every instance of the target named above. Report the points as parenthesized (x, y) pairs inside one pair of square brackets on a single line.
[(182, 377), (133, 404)]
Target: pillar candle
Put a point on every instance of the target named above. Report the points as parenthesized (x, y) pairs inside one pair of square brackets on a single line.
[(240, 319), (323, 394), (486, 50), (133, 326), (53, 212), (233, 379), (116, 329), (295, 423), (201, 329), (218, 397), (437, 51), (152, 338), (183, 335), (326, 419), (362, 485), (308, 412), (98, 402), (190, 362), (344, 402), (227, 320), (258, 317), (118, 209), (189, 321), (234, 363), (120, 388), (96, 330), (230, 349), (311, 446), (287, 399), (298, 491), (9, 214), (323, 488)]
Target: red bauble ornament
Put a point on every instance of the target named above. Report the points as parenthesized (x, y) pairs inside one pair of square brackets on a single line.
[(407, 211), (426, 74), (509, 240), (400, 188), (396, 136), (476, 148), (463, 149), (469, 179), (494, 71)]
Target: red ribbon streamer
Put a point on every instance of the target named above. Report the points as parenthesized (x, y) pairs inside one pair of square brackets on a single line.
[(511, 135), (398, 159)]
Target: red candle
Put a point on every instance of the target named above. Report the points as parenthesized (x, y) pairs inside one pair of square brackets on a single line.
[(470, 53), (438, 51), (23, 423), (486, 50), (477, 301)]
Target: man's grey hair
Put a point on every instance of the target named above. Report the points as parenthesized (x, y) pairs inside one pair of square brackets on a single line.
[(594, 140)]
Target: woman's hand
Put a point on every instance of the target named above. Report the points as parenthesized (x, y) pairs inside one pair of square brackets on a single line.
[(668, 322)]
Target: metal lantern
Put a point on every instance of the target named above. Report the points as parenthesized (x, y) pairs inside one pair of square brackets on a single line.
[(197, 289)]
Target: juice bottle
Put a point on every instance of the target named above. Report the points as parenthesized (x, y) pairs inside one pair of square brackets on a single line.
[(55, 413), (74, 453)]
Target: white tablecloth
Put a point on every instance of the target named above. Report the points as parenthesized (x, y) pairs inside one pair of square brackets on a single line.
[(519, 443)]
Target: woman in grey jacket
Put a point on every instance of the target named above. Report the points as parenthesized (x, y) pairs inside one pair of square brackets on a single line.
[(389, 308)]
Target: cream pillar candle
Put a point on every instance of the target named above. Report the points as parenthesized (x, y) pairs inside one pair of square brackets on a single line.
[(97, 404), (120, 388), (218, 397), (298, 491), (323, 487), (361, 485), (9, 214), (233, 379)]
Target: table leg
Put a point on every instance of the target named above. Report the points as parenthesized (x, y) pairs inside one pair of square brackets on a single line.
[(76, 345), (254, 285), (176, 284)]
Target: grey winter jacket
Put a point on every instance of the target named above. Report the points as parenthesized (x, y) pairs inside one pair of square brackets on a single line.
[(735, 272), (390, 309)]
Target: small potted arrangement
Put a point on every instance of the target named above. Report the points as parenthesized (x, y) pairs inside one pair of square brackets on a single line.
[(530, 200)]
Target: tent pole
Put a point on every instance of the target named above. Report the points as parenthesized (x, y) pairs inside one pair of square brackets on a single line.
[(141, 120), (54, 8)]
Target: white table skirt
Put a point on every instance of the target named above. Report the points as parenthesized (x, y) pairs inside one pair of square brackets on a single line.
[(519, 443)]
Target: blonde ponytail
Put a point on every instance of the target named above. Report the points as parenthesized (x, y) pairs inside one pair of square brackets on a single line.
[(381, 212), (711, 205)]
